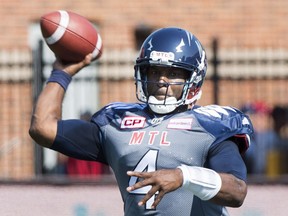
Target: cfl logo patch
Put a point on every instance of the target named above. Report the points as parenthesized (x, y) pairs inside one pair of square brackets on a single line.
[(133, 122)]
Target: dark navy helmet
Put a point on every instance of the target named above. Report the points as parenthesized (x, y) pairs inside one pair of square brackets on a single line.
[(171, 47)]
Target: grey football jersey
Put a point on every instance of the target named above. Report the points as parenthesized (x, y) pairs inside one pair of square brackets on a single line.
[(133, 139)]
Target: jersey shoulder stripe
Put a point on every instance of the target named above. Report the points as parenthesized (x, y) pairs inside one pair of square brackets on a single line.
[(225, 122)]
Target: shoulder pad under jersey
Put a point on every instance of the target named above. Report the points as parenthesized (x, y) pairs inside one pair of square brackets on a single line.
[(124, 106), (110, 111), (225, 122)]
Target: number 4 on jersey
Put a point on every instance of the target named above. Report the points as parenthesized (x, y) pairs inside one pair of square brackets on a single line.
[(146, 164)]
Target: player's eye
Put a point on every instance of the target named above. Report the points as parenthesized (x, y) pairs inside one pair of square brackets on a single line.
[(173, 74), (153, 72)]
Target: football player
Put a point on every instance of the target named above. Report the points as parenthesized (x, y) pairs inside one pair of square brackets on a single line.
[(169, 156)]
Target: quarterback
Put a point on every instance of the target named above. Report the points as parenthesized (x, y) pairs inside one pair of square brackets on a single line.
[(169, 156)]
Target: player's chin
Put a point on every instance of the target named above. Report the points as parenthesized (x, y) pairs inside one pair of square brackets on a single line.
[(163, 97), (160, 97)]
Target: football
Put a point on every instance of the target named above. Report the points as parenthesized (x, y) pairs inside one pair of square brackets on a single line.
[(70, 36)]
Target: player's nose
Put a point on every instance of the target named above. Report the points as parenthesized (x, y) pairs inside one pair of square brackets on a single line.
[(163, 83), (163, 79)]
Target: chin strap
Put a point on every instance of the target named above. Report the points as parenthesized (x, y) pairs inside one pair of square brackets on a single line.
[(159, 107)]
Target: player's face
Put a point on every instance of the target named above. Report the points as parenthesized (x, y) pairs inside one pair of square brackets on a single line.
[(166, 82)]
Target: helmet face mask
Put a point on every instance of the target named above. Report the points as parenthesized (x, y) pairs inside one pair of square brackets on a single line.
[(171, 48)]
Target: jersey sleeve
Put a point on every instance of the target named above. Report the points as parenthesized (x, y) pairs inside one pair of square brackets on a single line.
[(225, 158), (78, 139)]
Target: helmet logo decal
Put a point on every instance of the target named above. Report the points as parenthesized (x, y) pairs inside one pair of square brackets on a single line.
[(190, 38), (201, 64), (150, 44), (179, 47), (162, 56)]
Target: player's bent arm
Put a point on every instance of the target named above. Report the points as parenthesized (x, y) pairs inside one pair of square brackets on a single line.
[(46, 113), (223, 181), (48, 108)]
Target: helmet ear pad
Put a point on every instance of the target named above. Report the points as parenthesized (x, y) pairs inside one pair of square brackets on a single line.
[(193, 95), (192, 92)]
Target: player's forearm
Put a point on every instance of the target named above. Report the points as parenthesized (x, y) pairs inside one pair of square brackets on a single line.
[(47, 112), (232, 193), (222, 189)]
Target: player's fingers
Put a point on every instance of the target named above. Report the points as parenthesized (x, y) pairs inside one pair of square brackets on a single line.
[(149, 194), (158, 199), (140, 184), (74, 68), (131, 173), (146, 180), (88, 59), (139, 174)]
